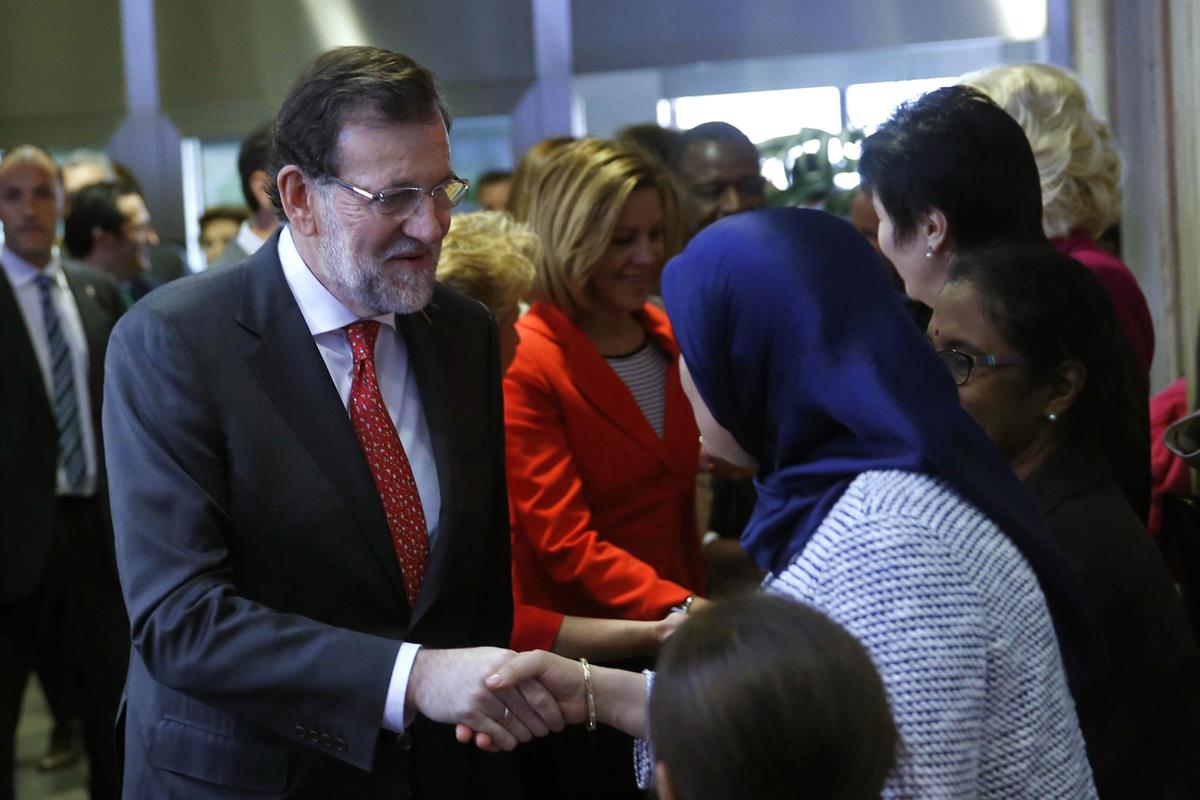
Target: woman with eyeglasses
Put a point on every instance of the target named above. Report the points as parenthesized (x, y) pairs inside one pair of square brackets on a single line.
[(1031, 339), (602, 448), (951, 172)]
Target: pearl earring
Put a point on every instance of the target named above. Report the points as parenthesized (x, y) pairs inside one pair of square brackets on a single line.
[(929, 252), (1052, 417)]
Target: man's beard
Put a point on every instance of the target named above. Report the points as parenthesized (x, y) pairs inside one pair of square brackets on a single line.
[(364, 281)]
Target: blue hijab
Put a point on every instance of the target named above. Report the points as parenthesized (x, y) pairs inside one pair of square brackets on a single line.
[(799, 345)]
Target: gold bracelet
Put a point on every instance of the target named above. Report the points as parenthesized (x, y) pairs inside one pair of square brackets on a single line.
[(591, 697)]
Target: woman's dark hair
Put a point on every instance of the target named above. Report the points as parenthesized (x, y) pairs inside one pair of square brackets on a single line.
[(342, 83), (766, 698), (1050, 308), (93, 206), (955, 150)]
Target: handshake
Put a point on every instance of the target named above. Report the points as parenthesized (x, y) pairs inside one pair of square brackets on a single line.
[(499, 698)]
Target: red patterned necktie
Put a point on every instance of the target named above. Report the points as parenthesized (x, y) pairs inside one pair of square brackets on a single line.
[(389, 463)]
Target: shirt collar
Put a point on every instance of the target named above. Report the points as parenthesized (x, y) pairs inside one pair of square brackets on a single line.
[(21, 272), (321, 310), (248, 240)]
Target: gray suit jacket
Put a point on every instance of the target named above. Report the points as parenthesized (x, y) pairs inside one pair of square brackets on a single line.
[(264, 594)]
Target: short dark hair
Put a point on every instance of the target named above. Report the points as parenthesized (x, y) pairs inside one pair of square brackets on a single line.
[(492, 176), (93, 206), (1050, 308), (254, 155), (238, 214), (707, 132), (655, 138), (759, 695), (955, 150), (341, 83)]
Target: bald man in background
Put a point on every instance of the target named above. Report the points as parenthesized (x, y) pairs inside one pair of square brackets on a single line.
[(55, 534)]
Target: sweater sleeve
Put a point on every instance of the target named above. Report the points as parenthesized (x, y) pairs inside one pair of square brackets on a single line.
[(534, 628), (899, 589)]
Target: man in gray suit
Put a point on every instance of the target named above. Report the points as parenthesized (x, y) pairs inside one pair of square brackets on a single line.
[(254, 161), (55, 540), (308, 481)]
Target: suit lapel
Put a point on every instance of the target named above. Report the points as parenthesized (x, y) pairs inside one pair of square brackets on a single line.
[(97, 324), (13, 331), (293, 374), (428, 362)]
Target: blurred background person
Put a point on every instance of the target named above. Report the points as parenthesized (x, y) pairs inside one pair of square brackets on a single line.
[(1031, 339), (602, 450), (652, 137), (718, 169), (56, 544), (529, 172), (1080, 172), (254, 158), (108, 229), (717, 166), (491, 190), (953, 171), (83, 167), (218, 226)]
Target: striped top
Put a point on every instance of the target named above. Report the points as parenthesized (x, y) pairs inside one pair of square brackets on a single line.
[(644, 371), (958, 628)]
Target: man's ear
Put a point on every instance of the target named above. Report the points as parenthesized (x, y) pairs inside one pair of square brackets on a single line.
[(298, 197), (935, 230)]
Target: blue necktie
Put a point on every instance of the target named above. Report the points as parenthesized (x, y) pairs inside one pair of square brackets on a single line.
[(66, 405)]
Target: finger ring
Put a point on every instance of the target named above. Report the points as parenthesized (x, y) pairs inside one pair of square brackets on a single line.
[(507, 714)]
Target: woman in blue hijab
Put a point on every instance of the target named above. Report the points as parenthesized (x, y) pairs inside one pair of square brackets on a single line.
[(881, 504)]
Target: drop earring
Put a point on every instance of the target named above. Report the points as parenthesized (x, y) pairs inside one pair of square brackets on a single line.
[(929, 252), (1052, 417)]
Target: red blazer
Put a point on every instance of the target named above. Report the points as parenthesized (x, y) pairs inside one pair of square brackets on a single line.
[(603, 511)]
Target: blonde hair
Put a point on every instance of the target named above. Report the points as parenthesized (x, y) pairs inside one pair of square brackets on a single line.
[(490, 257), (574, 207), (1077, 160), (528, 171)]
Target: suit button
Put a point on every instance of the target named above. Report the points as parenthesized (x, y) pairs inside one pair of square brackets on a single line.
[(326, 740), (339, 744), (301, 731), (404, 741)]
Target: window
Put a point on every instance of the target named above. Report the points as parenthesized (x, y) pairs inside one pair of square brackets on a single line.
[(868, 105), (763, 115)]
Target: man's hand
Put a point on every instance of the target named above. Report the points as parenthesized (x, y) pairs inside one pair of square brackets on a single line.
[(533, 674), (448, 686)]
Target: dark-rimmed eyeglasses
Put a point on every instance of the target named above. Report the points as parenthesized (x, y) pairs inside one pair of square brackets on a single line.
[(961, 364), (401, 201)]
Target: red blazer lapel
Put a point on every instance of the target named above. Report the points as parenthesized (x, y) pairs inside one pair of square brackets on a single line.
[(597, 383)]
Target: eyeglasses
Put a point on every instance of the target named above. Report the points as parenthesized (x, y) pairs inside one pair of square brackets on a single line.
[(403, 200), (961, 364)]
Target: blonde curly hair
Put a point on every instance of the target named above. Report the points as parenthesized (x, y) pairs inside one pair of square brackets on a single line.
[(490, 257), (1077, 160)]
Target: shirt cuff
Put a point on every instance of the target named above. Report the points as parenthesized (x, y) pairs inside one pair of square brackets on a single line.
[(394, 716)]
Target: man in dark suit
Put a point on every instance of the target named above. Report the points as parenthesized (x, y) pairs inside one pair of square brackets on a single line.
[(55, 541), (308, 480), (108, 228), (254, 163)]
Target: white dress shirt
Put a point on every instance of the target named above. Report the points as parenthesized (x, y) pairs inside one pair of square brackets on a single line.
[(23, 277), (326, 318), (247, 239)]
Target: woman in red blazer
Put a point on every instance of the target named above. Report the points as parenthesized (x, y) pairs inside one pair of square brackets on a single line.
[(602, 447)]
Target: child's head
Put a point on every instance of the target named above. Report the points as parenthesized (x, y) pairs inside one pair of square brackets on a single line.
[(762, 697)]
